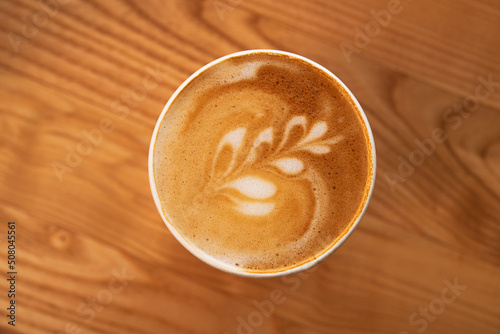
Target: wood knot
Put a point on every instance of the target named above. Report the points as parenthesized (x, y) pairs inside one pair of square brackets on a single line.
[(61, 240)]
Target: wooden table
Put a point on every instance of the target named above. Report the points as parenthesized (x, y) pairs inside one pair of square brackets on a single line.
[(93, 255)]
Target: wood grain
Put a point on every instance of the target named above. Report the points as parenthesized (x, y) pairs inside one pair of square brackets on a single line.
[(80, 231)]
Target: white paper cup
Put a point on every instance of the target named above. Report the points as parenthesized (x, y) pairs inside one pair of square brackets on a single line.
[(202, 255)]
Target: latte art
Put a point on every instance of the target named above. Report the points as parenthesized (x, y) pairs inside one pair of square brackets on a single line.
[(258, 191), (262, 162)]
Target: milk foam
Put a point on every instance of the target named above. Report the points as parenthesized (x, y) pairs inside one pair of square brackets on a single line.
[(262, 162), (253, 187)]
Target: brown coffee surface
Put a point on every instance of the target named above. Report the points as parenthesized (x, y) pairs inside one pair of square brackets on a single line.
[(262, 162)]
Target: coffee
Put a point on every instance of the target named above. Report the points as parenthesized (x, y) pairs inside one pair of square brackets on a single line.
[(262, 162)]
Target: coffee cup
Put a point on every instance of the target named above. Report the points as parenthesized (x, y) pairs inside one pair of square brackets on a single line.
[(262, 163)]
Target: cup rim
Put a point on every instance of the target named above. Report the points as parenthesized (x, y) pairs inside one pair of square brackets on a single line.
[(207, 258)]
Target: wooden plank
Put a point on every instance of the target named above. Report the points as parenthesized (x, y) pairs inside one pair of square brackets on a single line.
[(94, 233)]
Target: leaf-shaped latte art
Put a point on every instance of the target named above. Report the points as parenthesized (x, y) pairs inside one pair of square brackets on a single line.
[(253, 187), (296, 120), (265, 136), (317, 149), (234, 139), (254, 198), (291, 166), (321, 147), (333, 140), (317, 131)]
